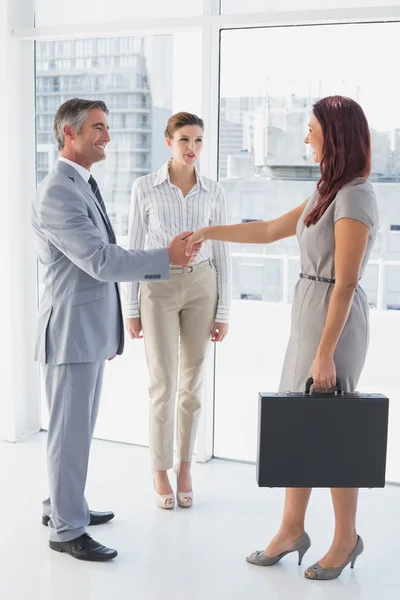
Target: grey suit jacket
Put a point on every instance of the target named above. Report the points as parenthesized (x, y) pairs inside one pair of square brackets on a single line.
[(80, 267)]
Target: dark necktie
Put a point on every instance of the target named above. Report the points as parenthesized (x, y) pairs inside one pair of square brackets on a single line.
[(95, 188)]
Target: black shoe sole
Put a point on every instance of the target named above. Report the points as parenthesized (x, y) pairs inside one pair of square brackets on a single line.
[(93, 558)]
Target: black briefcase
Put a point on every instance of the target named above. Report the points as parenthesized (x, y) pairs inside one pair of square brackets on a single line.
[(322, 439)]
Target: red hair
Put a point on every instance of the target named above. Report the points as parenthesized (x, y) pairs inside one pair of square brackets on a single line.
[(346, 151)]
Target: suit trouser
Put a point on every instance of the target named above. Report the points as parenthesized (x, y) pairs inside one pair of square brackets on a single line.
[(73, 394), (177, 318)]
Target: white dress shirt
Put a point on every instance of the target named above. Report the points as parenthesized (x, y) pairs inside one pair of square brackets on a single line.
[(159, 212), (81, 170)]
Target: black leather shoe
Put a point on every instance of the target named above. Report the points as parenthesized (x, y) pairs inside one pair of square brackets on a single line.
[(84, 548), (96, 518)]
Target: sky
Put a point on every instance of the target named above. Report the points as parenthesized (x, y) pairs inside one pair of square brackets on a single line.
[(297, 59), (359, 61)]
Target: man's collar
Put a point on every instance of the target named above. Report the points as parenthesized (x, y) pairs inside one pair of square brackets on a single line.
[(84, 173)]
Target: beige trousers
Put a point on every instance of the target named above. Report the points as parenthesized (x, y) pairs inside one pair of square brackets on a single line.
[(177, 317)]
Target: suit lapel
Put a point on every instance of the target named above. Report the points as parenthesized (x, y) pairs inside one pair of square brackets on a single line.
[(85, 187)]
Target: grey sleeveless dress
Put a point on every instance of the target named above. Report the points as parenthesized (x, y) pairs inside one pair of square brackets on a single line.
[(356, 200)]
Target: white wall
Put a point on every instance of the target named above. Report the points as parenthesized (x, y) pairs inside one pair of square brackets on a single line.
[(55, 12), (19, 407), (240, 7), (74, 12)]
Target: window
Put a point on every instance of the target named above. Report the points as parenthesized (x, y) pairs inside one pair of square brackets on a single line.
[(45, 138), (49, 84), (141, 100), (122, 138), (141, 80), (44, 123), (250, 296), (142, 160), (392, 286), (73, 83), (127, 61), (122, 81), (117, 121), (141, 95), (42, 161), (267, 170)]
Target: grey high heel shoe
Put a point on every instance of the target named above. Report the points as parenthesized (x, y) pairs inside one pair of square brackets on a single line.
[(318, 572), (301, 546)]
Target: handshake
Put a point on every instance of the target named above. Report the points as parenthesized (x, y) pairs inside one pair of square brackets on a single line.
[(183, 249)]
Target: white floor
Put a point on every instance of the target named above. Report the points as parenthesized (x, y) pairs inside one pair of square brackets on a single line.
[(195, 554)]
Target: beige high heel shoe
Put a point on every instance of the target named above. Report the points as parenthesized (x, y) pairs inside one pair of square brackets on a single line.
[(185, 499), (166, 501)]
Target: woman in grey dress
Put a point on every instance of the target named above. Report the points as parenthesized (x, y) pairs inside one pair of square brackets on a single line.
[(336, 229)]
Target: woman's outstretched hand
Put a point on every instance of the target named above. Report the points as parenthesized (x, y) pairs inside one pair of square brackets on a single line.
[(195, 238)]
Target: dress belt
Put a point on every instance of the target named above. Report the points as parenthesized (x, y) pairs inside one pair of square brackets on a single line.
[(316, 278), (191, 268)]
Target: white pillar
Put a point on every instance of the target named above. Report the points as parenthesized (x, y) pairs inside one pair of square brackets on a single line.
[(209, 167), (19, 389)]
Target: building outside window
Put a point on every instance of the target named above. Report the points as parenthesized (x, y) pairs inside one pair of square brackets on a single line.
[(82, 68)]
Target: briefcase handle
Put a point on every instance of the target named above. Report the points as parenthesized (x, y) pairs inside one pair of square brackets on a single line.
[(310, 381)]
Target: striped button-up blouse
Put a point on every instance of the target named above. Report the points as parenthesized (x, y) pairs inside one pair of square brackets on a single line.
[(159, 212)]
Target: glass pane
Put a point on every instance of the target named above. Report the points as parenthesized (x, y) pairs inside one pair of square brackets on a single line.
[(48, 12), (238, 7), (143, 80), (266, 170)]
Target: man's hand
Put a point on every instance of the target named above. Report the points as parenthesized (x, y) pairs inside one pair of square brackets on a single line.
[(177, 250), (134, 327), (219, 331)]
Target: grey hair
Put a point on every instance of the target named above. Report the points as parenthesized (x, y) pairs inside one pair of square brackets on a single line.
[(74, 113)]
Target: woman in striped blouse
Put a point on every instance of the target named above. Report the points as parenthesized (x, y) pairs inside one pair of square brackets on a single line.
[(177, 318)]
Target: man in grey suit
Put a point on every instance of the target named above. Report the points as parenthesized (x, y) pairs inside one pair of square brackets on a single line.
[(80, 321)]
